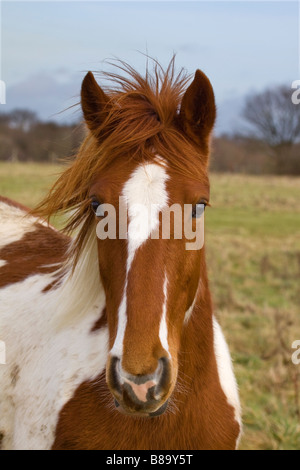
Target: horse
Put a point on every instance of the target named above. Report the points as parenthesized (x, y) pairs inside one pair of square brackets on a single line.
[(112, 343)]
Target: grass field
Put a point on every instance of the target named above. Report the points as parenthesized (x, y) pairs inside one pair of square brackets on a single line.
[(253, 244)]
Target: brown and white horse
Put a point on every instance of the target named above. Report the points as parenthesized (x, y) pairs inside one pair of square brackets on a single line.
[(112, 343)]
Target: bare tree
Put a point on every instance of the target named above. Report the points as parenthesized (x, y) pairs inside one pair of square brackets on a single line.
[(274, 119), (23, 119), (24, 137)]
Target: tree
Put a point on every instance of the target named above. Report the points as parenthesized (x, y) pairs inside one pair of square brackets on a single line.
[(275, 119), (22, 119)]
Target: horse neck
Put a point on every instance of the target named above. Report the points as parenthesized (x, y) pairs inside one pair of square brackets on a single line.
[(205, 366), (197, 353)]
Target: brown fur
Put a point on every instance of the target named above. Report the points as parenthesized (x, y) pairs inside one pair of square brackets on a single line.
[(35, 253), (101, 322)]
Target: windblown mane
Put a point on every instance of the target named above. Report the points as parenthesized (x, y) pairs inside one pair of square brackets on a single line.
[(140, 121)]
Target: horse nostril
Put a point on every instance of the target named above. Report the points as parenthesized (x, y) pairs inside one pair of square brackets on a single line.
[(113, 375), (165, 374), (160, 411)]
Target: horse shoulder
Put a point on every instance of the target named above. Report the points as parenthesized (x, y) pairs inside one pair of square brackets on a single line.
[(44, 363)]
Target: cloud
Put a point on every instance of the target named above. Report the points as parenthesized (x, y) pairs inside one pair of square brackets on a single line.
[(47, 94), (229, 116), (50, 94)]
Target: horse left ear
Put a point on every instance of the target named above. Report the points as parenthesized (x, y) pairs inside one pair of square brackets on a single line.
[(93, 102), (198, 110)]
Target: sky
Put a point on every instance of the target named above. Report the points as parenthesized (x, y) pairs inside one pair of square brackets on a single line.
[(243, 47)]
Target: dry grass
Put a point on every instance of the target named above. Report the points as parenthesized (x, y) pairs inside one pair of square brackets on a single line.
[(254, 263), (252, 237)]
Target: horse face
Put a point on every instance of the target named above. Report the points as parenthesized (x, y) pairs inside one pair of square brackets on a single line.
[(150, 281)]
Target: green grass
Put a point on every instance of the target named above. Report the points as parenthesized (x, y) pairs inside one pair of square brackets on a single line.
[(28, 182), (253, 251), (253, 242)]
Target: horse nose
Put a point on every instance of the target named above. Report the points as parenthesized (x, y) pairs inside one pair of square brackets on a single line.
[(144, 391), (140, 392)]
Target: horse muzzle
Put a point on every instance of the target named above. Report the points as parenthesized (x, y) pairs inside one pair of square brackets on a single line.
[(140, 395)]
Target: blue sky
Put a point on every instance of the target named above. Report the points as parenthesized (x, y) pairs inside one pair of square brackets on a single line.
[(243, 46)]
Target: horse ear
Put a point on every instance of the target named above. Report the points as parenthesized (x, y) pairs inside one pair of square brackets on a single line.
[(198, 110), (93, 102)]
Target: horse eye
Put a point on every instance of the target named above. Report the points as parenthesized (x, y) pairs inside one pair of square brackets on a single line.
[(96, 207), (198, 210)]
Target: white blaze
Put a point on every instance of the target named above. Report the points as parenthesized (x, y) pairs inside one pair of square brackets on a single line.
[(163, 329), (145, 195)]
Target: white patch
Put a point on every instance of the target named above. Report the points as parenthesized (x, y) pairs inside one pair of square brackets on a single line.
[(163, 329), (117, 348), (43, 366), (226, 373), (15, 223), (145, 195), (2, 263)]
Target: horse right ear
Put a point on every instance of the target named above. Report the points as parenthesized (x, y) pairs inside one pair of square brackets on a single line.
[(198, 110), (93, 102)]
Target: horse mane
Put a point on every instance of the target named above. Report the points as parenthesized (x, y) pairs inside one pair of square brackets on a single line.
[(140, 122)]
